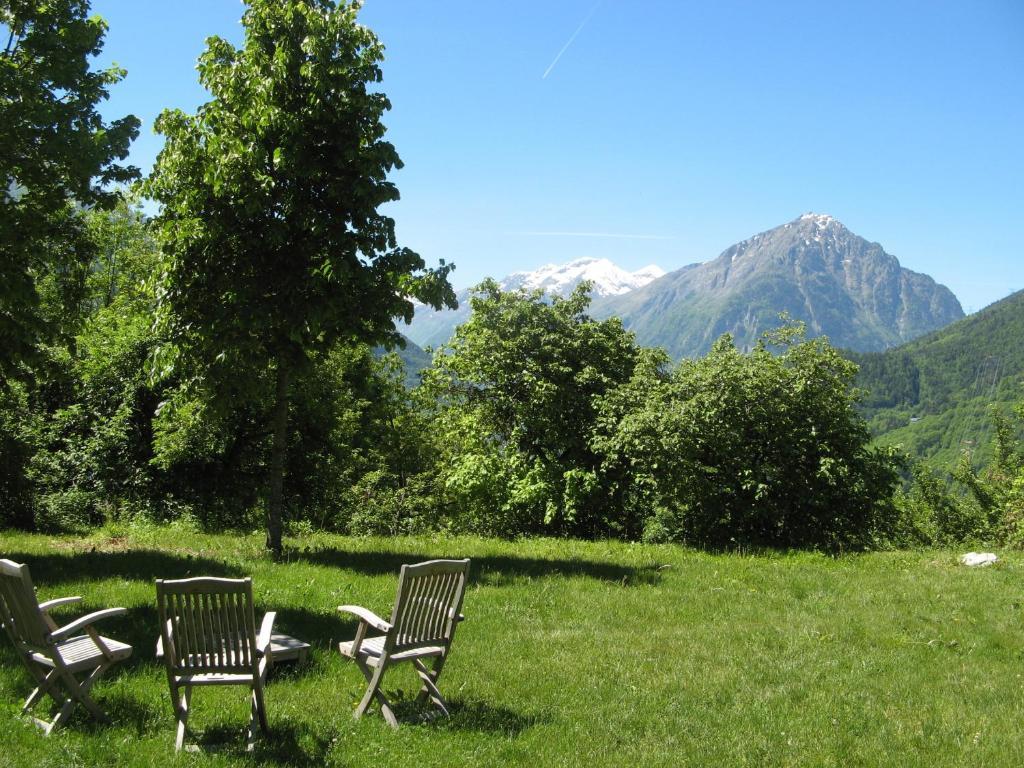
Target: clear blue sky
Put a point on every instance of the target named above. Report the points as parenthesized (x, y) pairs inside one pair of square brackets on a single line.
[(663, 131)]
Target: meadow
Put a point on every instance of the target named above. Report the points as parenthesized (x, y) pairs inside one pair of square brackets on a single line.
[(573, 653)]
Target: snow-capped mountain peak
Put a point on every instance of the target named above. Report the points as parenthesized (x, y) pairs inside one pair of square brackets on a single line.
[(435, 327), (561, 279)]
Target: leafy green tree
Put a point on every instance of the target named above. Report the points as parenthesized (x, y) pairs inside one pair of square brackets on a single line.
[(16, 422), (94, 410), (995, 493), (976, 506), (54, 148), (275, 248), (757, 449), (213, 460), (519, 384)]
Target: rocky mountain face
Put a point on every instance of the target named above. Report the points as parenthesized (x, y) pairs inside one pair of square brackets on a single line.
[(434, 327), (812, 268)]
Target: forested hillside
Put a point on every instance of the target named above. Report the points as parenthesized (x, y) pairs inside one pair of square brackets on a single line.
[(933, 394), (413, 358)]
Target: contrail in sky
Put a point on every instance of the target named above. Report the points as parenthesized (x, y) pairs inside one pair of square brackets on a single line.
[(569, 41), (614, 235)]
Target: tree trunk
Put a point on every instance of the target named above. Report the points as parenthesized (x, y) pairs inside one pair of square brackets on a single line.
[(278, 453)]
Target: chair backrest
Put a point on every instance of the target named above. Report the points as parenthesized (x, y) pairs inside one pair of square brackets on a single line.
[(428, 603), (207, 625), (19, 608)]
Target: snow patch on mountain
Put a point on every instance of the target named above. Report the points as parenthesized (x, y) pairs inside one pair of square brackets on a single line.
[(561, 279)]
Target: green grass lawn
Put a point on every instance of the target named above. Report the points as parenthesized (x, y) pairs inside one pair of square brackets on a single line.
[(573, 653)]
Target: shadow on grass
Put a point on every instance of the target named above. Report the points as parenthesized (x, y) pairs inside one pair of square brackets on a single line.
[(482, 717), (289, 743), (465, 715), (126, 711), (130, 564), (489, 570), (300, 745), (321, 630)]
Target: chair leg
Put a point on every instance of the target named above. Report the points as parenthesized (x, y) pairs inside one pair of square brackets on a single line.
[(373, 679), (66, 690), (181, 713), (81, 692), (58, 720), (429, 678), (434, 673), (45, 685), (259, 714), (250, 732)]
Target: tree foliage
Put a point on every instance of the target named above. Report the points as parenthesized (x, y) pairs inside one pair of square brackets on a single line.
[(976, 506), (275, 248), (759, 449), (520, 382), (932, 396), (552, 422), (55, 151)]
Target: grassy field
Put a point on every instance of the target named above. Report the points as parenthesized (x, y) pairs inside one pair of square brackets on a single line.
[(572, 654)]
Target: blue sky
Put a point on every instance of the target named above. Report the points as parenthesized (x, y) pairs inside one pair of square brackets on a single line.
[(663, 131)]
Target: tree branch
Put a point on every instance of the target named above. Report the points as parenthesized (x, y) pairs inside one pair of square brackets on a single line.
[(12, 43)]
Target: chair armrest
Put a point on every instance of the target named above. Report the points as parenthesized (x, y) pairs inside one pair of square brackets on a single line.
[(367, 616), (266, 630), (85, 621), (50, 604)]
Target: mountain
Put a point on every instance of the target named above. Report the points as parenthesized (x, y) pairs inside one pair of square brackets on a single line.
[(933, 394), (813, 268), (434, 327)]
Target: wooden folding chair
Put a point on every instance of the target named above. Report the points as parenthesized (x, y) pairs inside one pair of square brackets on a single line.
[(63, 664), (208, 637), (422, 626)]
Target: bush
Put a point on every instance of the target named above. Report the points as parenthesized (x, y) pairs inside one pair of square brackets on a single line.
[(516, 391), (382, 507), (758, 449), (989, 506)]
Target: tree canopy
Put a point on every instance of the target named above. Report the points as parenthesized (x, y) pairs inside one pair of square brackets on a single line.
[(520, 382), (274, 243), (55, 150)]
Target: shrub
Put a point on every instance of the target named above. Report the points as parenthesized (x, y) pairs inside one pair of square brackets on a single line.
[(516, 390), (761, 449)]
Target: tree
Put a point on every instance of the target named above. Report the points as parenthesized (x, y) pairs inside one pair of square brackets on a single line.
[(760, 449), (995, 498), (93, 408), (55, 151), (275, 248), (520, 382)]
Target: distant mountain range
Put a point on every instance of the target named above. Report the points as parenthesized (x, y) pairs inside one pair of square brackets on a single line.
[(434, 327), (932, 395), (812, 268), (929, 374)]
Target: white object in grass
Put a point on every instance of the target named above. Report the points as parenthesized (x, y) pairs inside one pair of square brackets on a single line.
[(978, 558)]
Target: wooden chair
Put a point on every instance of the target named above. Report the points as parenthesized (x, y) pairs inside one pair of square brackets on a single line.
[(422, 625), (64, 662), (208, 637)]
